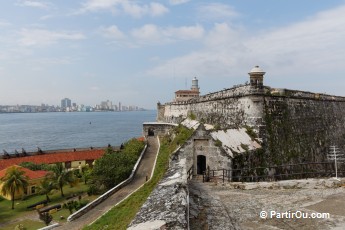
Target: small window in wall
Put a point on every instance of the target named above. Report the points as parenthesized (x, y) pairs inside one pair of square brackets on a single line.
[(79, 162), (33, 189), (67, 164)]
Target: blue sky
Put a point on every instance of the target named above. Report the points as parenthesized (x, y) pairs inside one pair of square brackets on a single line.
[(140, 52)]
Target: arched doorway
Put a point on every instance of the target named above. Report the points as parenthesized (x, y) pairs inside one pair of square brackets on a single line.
[(151, 132), (201, 164)]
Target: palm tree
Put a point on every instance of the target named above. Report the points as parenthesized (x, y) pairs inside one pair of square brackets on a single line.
[(47, 186), (14, 181), (61, 176), (85, 172)]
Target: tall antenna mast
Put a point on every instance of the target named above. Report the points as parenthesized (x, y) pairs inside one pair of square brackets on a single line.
[(334, 154)]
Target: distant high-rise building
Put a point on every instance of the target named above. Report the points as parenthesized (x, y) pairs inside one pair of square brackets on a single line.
[(120, 108), (66, 102), (106, 105)]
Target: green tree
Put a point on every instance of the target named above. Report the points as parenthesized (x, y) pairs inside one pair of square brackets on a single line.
[(114, 167), (85, 173), (70, 205), (34, 167), (14, 181), (61, 176), (46, 187), (111, 169)]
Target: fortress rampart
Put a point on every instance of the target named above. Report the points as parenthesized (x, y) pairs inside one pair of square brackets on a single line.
[(293, 126)]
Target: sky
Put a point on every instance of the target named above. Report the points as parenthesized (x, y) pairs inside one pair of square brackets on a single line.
[(141, 52)]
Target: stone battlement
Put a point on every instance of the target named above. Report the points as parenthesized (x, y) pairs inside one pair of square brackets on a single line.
[(295, 126)]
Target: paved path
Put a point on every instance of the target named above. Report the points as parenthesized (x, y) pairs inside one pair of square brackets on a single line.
[(145, 169)]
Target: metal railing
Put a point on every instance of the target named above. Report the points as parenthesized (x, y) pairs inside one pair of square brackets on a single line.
[(273, 173), (190, 173)]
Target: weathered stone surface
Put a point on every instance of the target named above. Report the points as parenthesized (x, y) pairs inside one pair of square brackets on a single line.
[(167, 206), (245, 205), (229, 108), (293, 126), (207, 210)]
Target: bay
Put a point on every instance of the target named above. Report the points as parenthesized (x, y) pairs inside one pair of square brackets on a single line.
[(51, 131)]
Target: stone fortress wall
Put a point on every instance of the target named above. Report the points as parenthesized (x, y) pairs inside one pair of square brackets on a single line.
[(294, 126), (227, 108), (301, 126)]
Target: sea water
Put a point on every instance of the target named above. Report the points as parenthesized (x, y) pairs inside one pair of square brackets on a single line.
[(63, 130)]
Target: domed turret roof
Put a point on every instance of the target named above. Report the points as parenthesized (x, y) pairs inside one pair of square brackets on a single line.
[(257, 69)]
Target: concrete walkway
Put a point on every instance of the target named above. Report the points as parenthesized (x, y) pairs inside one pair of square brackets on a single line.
[(145, 169)]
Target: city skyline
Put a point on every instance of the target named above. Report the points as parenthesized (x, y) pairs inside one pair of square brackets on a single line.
[(142, 52), (68, 105)]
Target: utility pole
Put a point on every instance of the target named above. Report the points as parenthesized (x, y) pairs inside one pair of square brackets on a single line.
[(334, 154)]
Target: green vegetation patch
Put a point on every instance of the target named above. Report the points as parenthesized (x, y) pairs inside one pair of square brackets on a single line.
[(250, 131), (114, 167), (218, 143), (192, 116), (121, 216), (7, 214)]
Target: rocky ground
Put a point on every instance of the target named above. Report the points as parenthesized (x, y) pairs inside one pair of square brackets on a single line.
[(238, 205)]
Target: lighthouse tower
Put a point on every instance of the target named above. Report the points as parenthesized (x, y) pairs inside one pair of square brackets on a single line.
[(195, 85)]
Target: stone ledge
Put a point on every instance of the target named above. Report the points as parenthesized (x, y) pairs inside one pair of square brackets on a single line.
[(167, 207)]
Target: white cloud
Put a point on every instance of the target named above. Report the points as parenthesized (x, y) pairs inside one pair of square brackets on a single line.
[(314, 46), (35, 4), (152, 34), (128, 7), (217, 11), (113, 32), (4, 23), (95, 5), (46, 17), (148, 32), (178, 2), (53, 61), (95, 88), (157, 9), (40, 37), (185, 32)]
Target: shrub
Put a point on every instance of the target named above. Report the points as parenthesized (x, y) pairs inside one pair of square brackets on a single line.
[(192, 116), (81, 204), (45, 217), (218, 143), (250, 131)]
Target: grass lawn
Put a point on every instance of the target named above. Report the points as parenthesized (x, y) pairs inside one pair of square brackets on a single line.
[(20, 210), (29, 224), (120, 216)]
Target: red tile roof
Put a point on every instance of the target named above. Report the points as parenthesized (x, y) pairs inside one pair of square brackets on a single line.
[(29, 173), (51, 158), (141, 138)]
